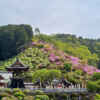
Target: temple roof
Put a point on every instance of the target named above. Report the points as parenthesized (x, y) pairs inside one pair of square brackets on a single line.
[(17, 66)]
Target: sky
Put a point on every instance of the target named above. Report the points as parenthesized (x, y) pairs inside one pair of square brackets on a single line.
[(80, 17)]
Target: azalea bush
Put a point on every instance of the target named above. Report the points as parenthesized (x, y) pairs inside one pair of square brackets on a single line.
[(41, 97)]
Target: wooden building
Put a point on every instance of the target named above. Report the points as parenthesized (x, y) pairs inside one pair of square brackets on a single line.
[(17, 68)]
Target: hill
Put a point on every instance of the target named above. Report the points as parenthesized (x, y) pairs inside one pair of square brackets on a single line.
[(50, 57), (79, 46), (40, 54)]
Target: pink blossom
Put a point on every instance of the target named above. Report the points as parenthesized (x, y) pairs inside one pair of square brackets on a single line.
[(90, 73), (90, 69), (48, 49), (85, 69), (57, 57), (74, 60), (51, 59), (34, 43), (97, 70), (52, 54), (58, 63), (43, 50)]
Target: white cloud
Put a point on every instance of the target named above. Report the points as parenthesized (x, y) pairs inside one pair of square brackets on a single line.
[(70, 16)]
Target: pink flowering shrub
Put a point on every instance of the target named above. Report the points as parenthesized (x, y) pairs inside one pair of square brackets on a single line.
[(97, 70), (54, 58), (90, 70), (59, 58), (34, 43), (74, 60), (38, 44)]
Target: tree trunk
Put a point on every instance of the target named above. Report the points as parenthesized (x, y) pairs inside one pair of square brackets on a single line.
[(40, 84)]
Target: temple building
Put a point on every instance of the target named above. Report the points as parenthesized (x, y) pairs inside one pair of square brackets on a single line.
[(17, 68)]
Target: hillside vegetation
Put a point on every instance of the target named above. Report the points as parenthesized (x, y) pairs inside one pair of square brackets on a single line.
[(83, 48), (55, 56)]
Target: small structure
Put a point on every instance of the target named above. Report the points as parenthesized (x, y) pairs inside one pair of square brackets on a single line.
[(29, 85), (4, 79), (17, 68), (2, 83), (61, 83)]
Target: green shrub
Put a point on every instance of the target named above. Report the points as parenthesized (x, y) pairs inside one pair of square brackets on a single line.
[(26, 91), (1, 90), (13, 98), (95, 77), (41, 97), (9, 91), (67, 67), (40, 45), (19, 94), (39, 92), (4, 94), (92, 86), (28, 98), (97, 97), (6, 98), (16, 90), (9, 98)]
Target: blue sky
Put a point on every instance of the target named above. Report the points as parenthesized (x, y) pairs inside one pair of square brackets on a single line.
[(80, 17)]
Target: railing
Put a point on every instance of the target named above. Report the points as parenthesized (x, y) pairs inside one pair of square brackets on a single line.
[(61, 90), (54, 90)]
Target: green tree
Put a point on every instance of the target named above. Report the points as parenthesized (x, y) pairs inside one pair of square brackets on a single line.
[(46, 75), (68, 67), (93, 84), (54, 74), (40, 75), (74, 77), (95, 77), (37, 31), (12, 39)]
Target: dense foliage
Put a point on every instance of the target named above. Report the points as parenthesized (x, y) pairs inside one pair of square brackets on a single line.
[(93, 84), (12, 38), (83, 48), (74, 46)]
